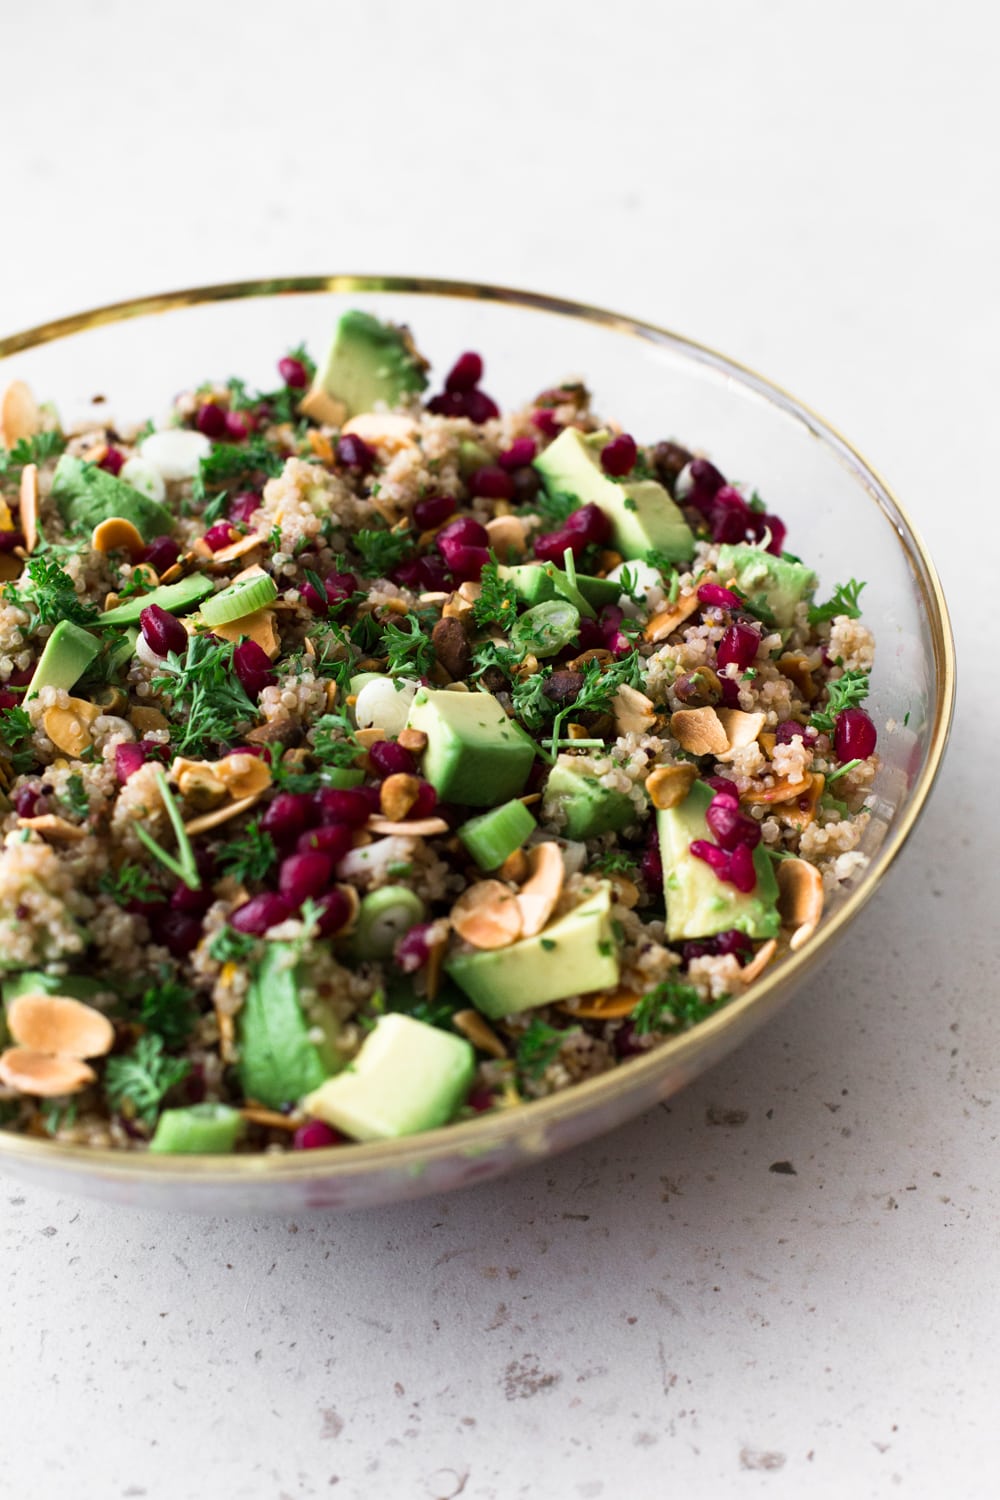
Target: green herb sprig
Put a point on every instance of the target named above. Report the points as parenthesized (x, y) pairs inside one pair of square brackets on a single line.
[(844, 602), (671, 1006), (846, 692), (139, 1080), (249, 856), (184, 865), (538, 1046)]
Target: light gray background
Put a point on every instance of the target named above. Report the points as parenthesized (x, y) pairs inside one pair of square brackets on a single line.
[(813, 190)]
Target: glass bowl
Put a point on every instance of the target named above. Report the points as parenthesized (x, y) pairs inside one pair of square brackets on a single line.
[(841, 517)]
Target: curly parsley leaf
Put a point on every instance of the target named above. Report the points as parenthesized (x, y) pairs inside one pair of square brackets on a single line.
[(846, 692), (249, 856), (382, 550), (16, 732), (227, 944), (167, 1010), (34, 450), (554, 506), (671, 1006), (138, 1081), (844, 602), (530, 703), (538, 1046), (497, 602), (47, 591), (409, 652), (130, 882), (229, 462), (614, 862), (75, 798), (208, 702), (333, 742)]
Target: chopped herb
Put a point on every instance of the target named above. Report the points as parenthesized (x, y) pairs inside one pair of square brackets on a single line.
[(168, 1011), (49, 593), (614, 862), (227, 943), (490, 654), (410, 652), (846, 692), (756, 504), (130, 882), (841, 770), (844, 602), (16, 730), (671, 1006), (538, 1046), (207, 697), (906, 718), (629, 503), (137, 1082), (548, 944), (628, 582), (599, 688), (248, 856), (333, 742), (57, 1116), (553, 506), (34, 450), (382, 550), (530, 703), (230, 462), (75, 798), (497, 603)]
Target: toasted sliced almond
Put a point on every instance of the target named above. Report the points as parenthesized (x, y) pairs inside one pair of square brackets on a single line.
[(507, 534), (260, 627), (388, 430), (19, 414), (413, 739), (603, 1007), (515, 867), (29, 506), (59, 830), (69, 730), (42, 1073), (418, 828), (365, 738), (797, 667), (669, 785), (270, 1119), (801, 812), (397, 794), (577, 732), (56, 1023), (538, 896), (487, 915), (221, 815), (782, 791), (741, 728), (200, 786), (472, 1026), (225, 555), (667, 620), (759, 962), (117, 534), (320, 407), (634, 712), (626, 892), (243, 775), (96, 453), (800, 898), (144, 720), (699, 731)]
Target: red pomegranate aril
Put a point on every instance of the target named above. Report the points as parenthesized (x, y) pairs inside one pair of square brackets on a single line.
[(735, 942), (698, 483), (293, 372), (551, 545), (481, 1099), (778, 533), (8, 700), (730, 826), (618, 457), (479, 407), (492, 482), (521, 452), (210, 419), (332, 839), (339, 586), (619, 644), (161, 554), (314, 1135), (238, 426), (730, 692), (611, 618), (712, 855), (178, 931), (425, 803), (589, 522), (287, 816), (741, 869), (590, 637), (854, 735), (346, 805), (651, 868), (716, 596), (627, 1042), (223, 534), (429, 573), (413, 950), (722, 787), (371, 795), (195, 903), (390, 759), (739, 645), (729, 515), (113, 461), (465, 532), (242, 506), (467, 563), (335, 912), (304, 876), (465, 374), (448, 404), (546, 422), (162, 631), (252, 666), (354, 453), (790, 729), (129, 758), (260, 913), (434, 510), (11, 539), (26, 800)]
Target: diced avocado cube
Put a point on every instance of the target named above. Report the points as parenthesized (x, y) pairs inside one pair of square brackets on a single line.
[(87, 495), (368, 362), (532, 583), (573, 956), (198, 1130), (699, 904), (642, 514), (493, 835), (759, 575), (39, 982), (68, 653), (475, 754), (587, 807), (408, 1077), (283, 1052), (175, 597)]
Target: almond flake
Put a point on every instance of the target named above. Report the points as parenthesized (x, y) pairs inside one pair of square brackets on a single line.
[(29, 506), (19, 414), (418, 828), (322, 408), (221, 815), (472, 1026), (259, 626), (603, 1007), (668, 786), (243, 775), (59, 1024), (801, 812), (800, 898), (389, 430), (116, 533), (43, 1074), (538, 896), (69, 728), (487, 915), (759, 962), (699, 731), (741, 728), (59, 830), (634, 712), (667, 620)]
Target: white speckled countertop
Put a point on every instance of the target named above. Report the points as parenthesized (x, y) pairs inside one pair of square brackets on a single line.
[(784, 1283)]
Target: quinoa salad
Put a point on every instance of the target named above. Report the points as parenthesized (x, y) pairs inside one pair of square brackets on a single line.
[(373, 759)]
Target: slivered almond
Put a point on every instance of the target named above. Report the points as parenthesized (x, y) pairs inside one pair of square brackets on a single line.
[(603, 1007), (699, 731), (797, 667), (801, 812), (225, 555), (221, 815), (270, 1119), (669, 785), (322, 408), (43, 1074), (741, 728), (418, 828), (243, 775), (634, 712), (412, 739), (59, 1024), (19, 414), (472, 1026), (397, 795), (759, 962), (488, 915), (59, 830), (29, 506), (667, 620), (782, 791), (800, 899), (117, 533), (388, 430), (260, 627), (69, 728), (538, 896)]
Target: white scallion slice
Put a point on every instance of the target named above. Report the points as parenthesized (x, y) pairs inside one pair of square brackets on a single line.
[(384, 917), (239, 599)]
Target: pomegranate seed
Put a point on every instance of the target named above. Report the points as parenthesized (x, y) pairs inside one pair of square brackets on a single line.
[(467, 563), (730, 692), (739, 644), (551, 545), (426, 801), (465, 532), (722, 787), (492, 482), (712, 855), (210, 419), (730, 826), (112, 461), (194, 903), (428, 573), (741, 869), (339, 586), (412, 951), (611, 618), (546, 422), (237, 426), (314, 1135), (252, 666), (735, 942), (716, 596), (433, 510), (589, 522), (778, 533), (698, 483), (221, 535), (335, 912), (618, 457), (347, 805), (11, 539), (178, 931), (465, 373), (131, 757), (304, 875), (479, 407), (259, 913), (287, 816), (590, 636), (651, 867), (521, 452), (729, 515), (481, 1099), (293, 372), (790, 729), (627, 1043), (162, 631), (619, 644), (333, 840), (8, 700), (354, 453), (390, 759), (26, 801), (161, 554), (242, 506), (448, 404), (854, 735)]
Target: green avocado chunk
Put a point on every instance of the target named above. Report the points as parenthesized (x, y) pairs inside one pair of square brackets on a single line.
[(198, 1130), (699, 904), (175, 597), (279, 1059), (408, 1077), (68, 653), (587, 807), (475, 754), (779, 583), (368, 362), (39, 982), (87, 495), (533, 584), (573, 956), (642, 514)]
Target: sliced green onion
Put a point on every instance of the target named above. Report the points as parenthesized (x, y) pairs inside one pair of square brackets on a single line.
[(184, 867), (497, 833), (842, 770), (239, 599), (547, 628), (384, 917)]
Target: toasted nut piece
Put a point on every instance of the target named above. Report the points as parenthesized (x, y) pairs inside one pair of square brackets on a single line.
[(800, 898), (59, 830), (42, 1073), (472, 1026), (116, 533), (143, 720), (741, 729), (397, 795), (413, 740), (782, 791), (56, 1023), (456, 608), (96, 453), (213, 561), (626, 892), (507, 534), (699, 688), (634, 712), (270, 1119), (418, 828), (19, 414), (11, 566), (487, 915), (199, 785), (699, 731), (801, 812), (259, 626), (243, 775), (603, 1007), (110, 700), (321, 445), (767, 742), (538, 896), (365, 738), (577, 732), (669, 785), (320, 407), (595, 653), (69, 728), (760, 961), (29, 506), (667, 620), (797, 667), (515, 867), (221, 815), (383, 429)]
